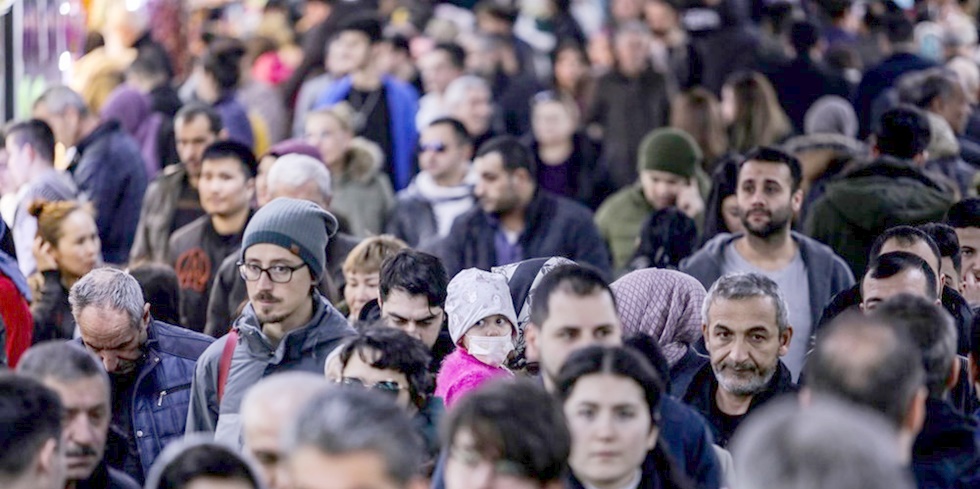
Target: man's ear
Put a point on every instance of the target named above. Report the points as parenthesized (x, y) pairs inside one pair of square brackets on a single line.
[(146, 315), (796, 201), (49, 458), (973, 369), (915, 415), (954, 373), (531, 350), (785, 338)]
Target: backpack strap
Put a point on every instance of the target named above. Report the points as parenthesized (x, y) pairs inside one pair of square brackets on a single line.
[(224, 365)]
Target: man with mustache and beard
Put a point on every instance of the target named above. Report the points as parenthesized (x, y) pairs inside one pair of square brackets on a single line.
[(287, 325), (150, 366), (807, 272), (83, 387), (746, 329)]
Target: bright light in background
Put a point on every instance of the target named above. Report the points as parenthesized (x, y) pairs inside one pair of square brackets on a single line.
[(64, 61), (133, 5), (65, 8)]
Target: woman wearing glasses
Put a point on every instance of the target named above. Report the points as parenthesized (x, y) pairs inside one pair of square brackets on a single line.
[(390, 361)]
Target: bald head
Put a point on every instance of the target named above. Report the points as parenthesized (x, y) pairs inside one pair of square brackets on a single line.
[(268, 407)]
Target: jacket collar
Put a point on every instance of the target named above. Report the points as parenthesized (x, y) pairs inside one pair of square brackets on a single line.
[(701, 392), (325, 325), (891, 167)]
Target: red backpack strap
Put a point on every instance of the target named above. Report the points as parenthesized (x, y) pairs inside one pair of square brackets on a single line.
[(224, 365)]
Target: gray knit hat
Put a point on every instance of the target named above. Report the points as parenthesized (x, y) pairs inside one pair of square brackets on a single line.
[(299, 226)]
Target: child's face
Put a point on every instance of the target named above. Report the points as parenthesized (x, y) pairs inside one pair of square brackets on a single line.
[(495, 325)]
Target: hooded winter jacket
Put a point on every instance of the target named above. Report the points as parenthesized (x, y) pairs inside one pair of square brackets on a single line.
[(864, 203)]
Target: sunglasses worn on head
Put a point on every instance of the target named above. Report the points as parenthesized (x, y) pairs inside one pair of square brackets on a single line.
[(386, 386), (438, 147)]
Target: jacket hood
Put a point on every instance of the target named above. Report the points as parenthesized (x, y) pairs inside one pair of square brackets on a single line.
[(327, 325), (942, 142), (903, 194), (363, 160)]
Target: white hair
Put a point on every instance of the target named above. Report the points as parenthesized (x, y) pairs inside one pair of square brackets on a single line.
[(457, 90), (296, 169), (281, 394), (58, 98)]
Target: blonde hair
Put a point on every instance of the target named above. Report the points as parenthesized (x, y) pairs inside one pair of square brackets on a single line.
[(698, 113), (368, 255), (341, 112), (759, 120), (52, 214)]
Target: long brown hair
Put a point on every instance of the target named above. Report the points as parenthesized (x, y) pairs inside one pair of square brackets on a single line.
[(759, 120), (698, 113), (52, 214)]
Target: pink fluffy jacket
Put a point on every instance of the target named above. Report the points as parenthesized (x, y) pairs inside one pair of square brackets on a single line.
[(461, 373)]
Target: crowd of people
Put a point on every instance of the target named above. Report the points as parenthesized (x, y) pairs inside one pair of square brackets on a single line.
[(623, 244)]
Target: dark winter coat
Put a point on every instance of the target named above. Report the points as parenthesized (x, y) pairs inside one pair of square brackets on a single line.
[(701, 396), (862, 204), (108, 169), (554, 226)]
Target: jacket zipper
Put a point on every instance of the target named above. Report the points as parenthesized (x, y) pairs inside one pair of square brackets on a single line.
[(164, 393)]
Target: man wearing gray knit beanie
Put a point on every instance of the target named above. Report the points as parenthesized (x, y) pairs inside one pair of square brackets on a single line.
[(287, 324)]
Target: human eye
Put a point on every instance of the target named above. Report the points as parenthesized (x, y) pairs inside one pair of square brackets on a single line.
[(586, 412), (625, 413)]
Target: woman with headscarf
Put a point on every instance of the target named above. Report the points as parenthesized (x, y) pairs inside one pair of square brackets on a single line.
[(132, 110), (665, 305)]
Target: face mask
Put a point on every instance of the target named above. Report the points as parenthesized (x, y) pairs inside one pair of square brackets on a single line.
[(491, 350)]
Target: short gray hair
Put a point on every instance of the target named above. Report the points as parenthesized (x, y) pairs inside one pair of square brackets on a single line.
[(288, 391), (828, 445), (59, 97), (61, 361), (456, 91), (345, 420), (296, 169), (741, 286), (108, 288)]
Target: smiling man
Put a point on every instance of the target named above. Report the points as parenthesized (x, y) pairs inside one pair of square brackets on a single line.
[(226, 187), (287, 325), (746, 330), (83, 387), (807, 272)]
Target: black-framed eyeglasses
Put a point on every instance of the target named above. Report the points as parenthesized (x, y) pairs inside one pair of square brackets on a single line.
[(437, 147), (387, 386), (279, 274)]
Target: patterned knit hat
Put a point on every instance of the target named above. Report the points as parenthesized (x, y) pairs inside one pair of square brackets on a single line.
[(474, 294)]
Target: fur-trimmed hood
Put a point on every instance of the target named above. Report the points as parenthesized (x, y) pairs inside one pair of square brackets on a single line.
[(362, 161)]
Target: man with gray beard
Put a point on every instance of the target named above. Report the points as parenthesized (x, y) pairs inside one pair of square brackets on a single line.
[(746, 330)]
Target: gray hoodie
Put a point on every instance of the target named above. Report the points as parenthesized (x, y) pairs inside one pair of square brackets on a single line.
[(828, 273), (303, 349)]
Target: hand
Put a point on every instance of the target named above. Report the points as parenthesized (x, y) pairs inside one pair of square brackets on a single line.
[(970, 288), (689, 201), (43, 255)]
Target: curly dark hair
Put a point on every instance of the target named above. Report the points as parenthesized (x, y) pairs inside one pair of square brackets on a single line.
[(397, 351)]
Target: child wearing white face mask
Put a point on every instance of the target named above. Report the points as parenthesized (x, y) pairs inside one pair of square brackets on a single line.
[(481, 323)]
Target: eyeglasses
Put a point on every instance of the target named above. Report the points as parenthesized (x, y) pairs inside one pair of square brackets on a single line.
[(438, 147), (387, 386), (279, 274), (472, 458)]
